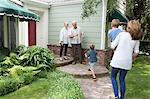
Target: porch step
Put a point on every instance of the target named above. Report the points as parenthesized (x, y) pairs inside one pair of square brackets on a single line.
[(64, 62), (81, 71)]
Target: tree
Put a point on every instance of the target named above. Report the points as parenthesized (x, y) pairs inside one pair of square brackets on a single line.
[(89, 7), (140, 9)]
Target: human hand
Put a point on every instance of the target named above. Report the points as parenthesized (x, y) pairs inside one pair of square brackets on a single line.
[(61, 43), (85, 55)]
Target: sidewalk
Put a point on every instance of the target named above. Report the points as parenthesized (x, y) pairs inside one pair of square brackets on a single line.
[(101, 89)]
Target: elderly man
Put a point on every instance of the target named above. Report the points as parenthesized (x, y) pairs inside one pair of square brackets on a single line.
[(64, 40), (75, 37)]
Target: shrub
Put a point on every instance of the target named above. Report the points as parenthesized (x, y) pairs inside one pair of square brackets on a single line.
[(7, 85), (23, 66), (63, 86), (35, 56), (30, 56), (10, 84)]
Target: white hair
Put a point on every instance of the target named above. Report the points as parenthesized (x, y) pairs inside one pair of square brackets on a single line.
[(66, 23), (74, 21)]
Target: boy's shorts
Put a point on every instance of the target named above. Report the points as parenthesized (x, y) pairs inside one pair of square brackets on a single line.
[(92, 64)]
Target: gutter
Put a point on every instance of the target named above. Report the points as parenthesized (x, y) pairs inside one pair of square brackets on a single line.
[(37, 3)]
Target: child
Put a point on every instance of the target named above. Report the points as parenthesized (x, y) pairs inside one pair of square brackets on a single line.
[(112, 33), (92, 56)]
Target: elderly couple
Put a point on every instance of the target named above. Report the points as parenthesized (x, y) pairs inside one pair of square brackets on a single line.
[(71, 36)]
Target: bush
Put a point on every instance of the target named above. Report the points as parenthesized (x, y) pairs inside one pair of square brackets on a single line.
[(35, 56), (23, 66), (63, 86), (28, 63), (9, 84), (30, 56)]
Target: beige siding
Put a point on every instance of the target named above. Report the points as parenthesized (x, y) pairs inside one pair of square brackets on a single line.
[(91, 27)]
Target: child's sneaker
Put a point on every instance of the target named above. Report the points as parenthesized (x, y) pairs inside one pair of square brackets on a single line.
[(61, 59), (94, 79), (65, 57)]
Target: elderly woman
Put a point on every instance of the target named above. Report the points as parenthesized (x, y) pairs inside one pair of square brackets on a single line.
[(64, 40), (126, 47)]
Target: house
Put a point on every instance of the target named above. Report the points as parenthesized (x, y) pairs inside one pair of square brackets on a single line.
[(36, 32), (10, 16), (54, 13)]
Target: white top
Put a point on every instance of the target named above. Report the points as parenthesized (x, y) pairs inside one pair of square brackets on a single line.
[(125, 47), (77, 35), (64, 36)]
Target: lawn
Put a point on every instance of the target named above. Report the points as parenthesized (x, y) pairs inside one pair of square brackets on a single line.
[(138, 79)]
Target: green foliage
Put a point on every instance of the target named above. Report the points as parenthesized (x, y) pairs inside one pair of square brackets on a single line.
[(62, 86), (20, 49), (26, 64), (58, 84), (32, 56), (130, 6), (15, 71), (35, 56), (89, 7), (143, 16), (111, 5), (22, 66), (9, 84)]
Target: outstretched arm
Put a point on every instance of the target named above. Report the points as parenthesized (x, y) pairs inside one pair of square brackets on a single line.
[(136, 50)]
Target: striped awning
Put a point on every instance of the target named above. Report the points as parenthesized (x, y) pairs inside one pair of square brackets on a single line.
[(116, 14), (11, 9)]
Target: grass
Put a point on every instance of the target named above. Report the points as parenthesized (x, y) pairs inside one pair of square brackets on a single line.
[(36, 90), (138, 79), (57, 83)]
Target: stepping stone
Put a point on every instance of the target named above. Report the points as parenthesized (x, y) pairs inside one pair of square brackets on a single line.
[(81, 71)]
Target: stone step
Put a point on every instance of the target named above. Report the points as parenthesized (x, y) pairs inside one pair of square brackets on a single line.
[(81, 71), (64, 62)]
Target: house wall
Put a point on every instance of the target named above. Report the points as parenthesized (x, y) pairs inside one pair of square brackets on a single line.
[(91, 27), (42, 25), (122, 6)]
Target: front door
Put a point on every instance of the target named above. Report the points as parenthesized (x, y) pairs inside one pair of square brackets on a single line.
[(32, 33)]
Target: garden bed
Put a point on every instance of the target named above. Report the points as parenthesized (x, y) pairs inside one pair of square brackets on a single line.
[(28, 64), (57, 85)]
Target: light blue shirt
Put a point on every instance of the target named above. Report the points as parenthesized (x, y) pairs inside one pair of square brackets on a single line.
[(113, 33)]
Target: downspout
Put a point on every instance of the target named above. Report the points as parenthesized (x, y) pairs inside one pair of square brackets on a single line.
[(103, 35)]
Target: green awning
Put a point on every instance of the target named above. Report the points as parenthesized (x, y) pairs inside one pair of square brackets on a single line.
[(11, 9), (116, 14)]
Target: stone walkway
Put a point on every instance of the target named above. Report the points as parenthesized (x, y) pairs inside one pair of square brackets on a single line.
[(101, 89)]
